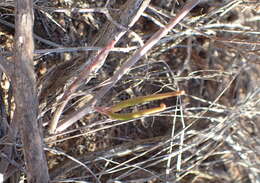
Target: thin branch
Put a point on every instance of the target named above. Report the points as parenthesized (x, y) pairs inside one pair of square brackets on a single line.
[(71, 49), (127, 65), (126, 16), (96, 61), (75, 160), (148, 45), (85, 74), (45, 41)]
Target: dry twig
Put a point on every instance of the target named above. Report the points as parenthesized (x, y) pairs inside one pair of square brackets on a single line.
[(127, 65)]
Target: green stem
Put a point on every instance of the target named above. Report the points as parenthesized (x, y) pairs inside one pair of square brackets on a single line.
[(111, 111), (138, 114), (142, 99)]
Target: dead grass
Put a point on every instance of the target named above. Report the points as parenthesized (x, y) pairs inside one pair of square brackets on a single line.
[(209, 135)]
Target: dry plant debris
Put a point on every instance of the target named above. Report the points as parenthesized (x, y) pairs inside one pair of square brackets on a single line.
[(211, 134)]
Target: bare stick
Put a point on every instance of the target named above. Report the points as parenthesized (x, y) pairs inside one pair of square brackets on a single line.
[(25, 94), (127, 65)]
